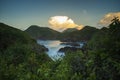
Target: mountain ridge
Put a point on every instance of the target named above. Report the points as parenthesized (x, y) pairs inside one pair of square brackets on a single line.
[(84, 34), (44, 33), (70, 34)]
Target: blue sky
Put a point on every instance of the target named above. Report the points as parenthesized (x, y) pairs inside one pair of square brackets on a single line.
[(23, 13)]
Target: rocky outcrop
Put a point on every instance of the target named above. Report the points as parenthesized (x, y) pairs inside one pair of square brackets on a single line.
[(72, 49), (84, 49), (71, 44)]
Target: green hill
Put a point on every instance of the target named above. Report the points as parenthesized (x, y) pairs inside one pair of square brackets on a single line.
[(84, 34), (42, 32), (70, 34), (20, 55), (70, 30), (9, 36)]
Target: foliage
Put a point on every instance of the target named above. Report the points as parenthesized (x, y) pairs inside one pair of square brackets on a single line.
[(10, 36), (106, 47), (20, 62), (20, 56)]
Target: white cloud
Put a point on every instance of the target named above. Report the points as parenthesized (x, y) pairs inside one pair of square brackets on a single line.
[(61, 23), (106, 20)]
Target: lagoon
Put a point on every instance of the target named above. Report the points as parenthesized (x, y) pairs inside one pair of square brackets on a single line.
[(54, 46)]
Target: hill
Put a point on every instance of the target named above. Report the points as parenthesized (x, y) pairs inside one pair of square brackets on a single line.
[(84, 34), (44, 33), (11, 37), (70, 34), (19, 53), (70, 30)]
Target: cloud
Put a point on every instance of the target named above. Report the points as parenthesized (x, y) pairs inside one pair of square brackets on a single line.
[(106, 20), (61, 23), (79, 27)]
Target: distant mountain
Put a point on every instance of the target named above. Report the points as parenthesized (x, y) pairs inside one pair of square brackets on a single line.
[(84, 34), (70, 30), (42, 32), (71, 34)]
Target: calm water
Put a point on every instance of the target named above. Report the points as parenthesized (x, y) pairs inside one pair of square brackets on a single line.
[(53, 46)]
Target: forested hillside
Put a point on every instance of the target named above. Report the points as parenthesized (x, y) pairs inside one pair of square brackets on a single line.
[(43, 33), (100, 62)]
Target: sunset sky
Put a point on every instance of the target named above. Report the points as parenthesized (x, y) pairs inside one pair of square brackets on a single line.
[(49, 13)]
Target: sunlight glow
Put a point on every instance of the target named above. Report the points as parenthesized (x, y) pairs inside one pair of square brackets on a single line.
[(61, 19), (106, 20)]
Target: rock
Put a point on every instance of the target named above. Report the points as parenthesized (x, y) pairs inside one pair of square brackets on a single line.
[(65, 49), (68, 40), (44, 48), (73, 44)]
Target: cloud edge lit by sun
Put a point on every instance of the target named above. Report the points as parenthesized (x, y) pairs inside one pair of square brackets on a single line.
[(106, 20), (61, 23)]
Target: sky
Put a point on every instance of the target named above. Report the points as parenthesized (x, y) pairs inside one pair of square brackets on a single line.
[(57, 14)]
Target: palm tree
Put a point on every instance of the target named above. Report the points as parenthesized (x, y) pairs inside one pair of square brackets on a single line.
[(115, 21)]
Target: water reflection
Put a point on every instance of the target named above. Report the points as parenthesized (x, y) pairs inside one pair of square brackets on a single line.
[(53, 46)]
